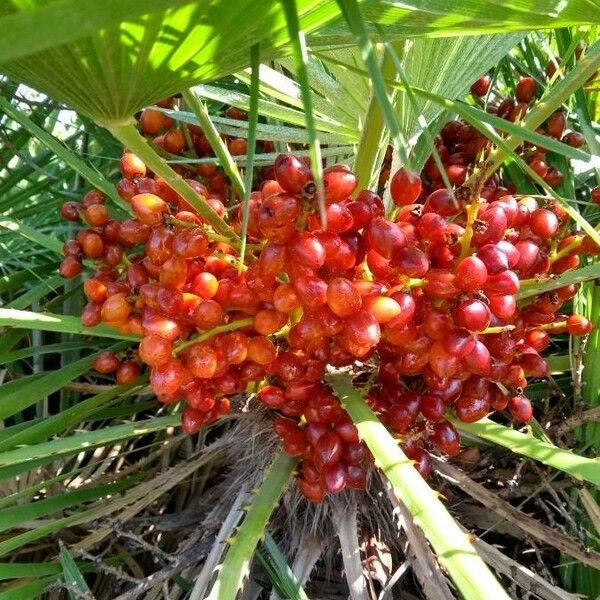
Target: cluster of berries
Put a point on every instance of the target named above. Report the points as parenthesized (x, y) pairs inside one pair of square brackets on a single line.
[(423, 300)]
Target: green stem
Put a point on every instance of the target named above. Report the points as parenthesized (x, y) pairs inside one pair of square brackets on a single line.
[(131, 138), (242, 546), (453, 548), (215, 140), (579, 467), (197, 339)]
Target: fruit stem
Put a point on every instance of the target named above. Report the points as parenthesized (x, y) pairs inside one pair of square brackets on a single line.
[(555, 325), (413, 282), (467, 236), (497, 329), (202, 337), (131, 138), (576, 243)]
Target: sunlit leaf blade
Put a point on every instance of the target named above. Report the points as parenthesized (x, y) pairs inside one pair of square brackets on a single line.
[(62, 323), (108, 59), (580, 467), (126, 57)]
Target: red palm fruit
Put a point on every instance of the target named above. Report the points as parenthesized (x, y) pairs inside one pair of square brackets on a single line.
[(270, 187), (502, 284), (356, 477), (276, 217), (520, 408), (494, 259), (442, 363), (127, 372), (410, 261), (238, 146), (342, 297), (161, 325), (261, 350), (174, 141), (481, 87), (96, 215), (441, 283), (362, 329), (149, 209), (168, 377), (405, 187), (307, 249), (334, 478), (132, 167), (533, 364), (91, 314), (190, 243), (70, 211), (235, 347), (272, 396), (207, 315), (437, 322), (202, 361), (159, 246), (490, 225), (292, 173), (361, 214), (543, 223), (147, 185), (433, 228), (112, 254), (71, 248), (204, 285), (469, 409), (383, 308), (92, 244), (373, 201), (339, 182), (443, 202), (471, 274), (311, 291), (116, 308), (525, 90), (478, 361), (295, 443), (267, 321), (473, 315), (285, 299), (385, 237), (555, 127), (155, 350), (446, 438), (312, 491), (133, 231), (173, 273), (192, 420), (554, 177), (328, 449), (106, 362), (574, 139), (432, 407), (458, 342), (578, 325), (93, 197), (339, 219), (95, 290), (151, 121)]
